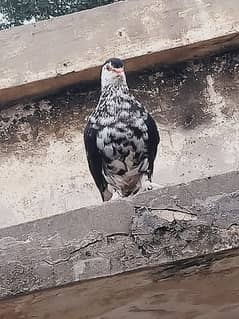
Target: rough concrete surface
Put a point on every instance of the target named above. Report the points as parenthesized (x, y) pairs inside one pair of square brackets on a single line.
[(149, 229), (183, 229), (43, 168), (200, 288), (32, 54)]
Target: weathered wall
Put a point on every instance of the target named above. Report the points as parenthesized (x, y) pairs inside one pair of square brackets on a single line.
[(43, 168), (25, 12), (42, 57)]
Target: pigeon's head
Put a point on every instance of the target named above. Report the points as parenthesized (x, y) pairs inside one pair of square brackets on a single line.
[(112, 73)]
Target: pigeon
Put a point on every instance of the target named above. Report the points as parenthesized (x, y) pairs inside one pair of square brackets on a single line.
[(121, 138)]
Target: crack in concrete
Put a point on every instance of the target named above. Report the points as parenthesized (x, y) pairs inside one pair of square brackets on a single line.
[(166, 208), (58, 261), (117, 234), (62, 260)]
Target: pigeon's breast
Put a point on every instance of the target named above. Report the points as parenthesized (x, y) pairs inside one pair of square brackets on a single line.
[(122, 142), (121, 133)]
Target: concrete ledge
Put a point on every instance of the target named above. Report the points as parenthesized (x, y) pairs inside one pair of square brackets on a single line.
[(43, 57), (203, 286), (167, 225)]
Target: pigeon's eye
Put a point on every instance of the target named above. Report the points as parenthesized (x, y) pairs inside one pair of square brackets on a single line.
[(108, 67)]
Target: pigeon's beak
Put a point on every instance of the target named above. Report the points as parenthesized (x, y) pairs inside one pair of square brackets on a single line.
[(119, 71)]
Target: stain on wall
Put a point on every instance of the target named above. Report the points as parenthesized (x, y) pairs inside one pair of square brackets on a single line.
[(43, 169)]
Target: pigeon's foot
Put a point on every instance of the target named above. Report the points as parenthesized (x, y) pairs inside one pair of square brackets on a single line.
[(111, 194), (106, 195), (148, 186), (115, 196)]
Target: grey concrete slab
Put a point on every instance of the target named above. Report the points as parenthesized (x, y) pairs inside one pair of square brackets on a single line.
[(153, 228), (205, 288)]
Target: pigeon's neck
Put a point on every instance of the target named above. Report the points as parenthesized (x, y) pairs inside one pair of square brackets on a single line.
[(117, 89), (114, 97)]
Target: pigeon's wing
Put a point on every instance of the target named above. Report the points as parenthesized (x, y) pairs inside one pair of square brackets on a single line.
[(152, 143), (94, 158)]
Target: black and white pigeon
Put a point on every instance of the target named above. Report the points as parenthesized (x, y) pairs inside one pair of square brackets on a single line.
[(121, 138)]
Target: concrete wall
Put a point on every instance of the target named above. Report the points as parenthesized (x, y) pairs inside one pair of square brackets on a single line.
[(43, 168), (43, 171), (39, 58)]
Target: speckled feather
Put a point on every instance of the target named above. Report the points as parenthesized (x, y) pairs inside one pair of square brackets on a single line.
[(121, 140)]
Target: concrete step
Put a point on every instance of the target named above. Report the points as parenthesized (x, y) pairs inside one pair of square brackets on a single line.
[(150, 229)]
